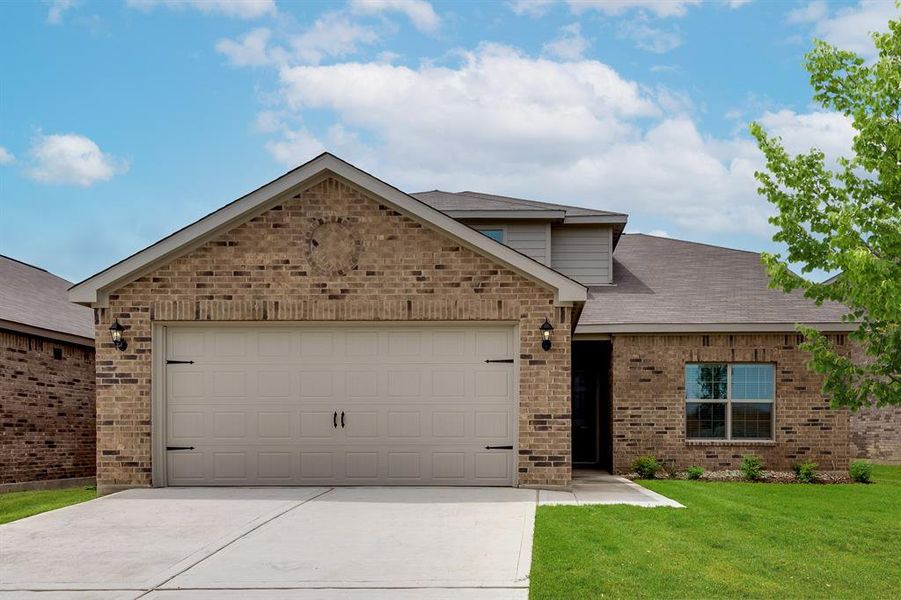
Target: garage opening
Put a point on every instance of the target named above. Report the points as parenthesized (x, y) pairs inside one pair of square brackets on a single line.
[(340, 405)]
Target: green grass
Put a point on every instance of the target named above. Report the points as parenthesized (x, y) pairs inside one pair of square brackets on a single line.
[(18, 505), (732, 540)]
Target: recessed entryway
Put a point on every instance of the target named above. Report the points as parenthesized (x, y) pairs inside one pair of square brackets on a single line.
[(591, 410)]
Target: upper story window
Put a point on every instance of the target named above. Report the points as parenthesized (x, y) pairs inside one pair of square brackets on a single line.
[(494, 233), (729, 401)]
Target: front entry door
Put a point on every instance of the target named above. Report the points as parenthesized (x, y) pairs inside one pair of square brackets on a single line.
[(591, 435)]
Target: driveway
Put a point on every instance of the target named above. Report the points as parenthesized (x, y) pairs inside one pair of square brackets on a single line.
[(227, 543)]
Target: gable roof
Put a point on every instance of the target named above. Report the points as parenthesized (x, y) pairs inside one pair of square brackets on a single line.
[(35, 302), (95, 289), (663, 285)]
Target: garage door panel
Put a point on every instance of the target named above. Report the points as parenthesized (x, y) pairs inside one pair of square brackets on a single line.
[(259, 406)]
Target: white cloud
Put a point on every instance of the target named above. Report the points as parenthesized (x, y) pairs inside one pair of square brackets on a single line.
[(332, 35), (250, 51), (848, 28), (420, 12), (57, 9), (241, 9), (809, 13), (510, 123), (532, 8), (738, 3), (660, 8), (71, 159), (829, 131), (6, 157), (571, 45), (648, 38)]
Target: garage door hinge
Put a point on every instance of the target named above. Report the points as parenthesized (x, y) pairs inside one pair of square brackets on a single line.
[(499, 360), (179, 447), (498, 447), (179, 362)]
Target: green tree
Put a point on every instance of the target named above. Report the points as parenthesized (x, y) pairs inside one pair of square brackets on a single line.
[(847, 219)]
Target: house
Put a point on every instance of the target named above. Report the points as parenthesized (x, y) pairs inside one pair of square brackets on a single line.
[(47, 427), (328, 328)]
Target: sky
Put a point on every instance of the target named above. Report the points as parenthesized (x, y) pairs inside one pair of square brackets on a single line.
[(121, 122)]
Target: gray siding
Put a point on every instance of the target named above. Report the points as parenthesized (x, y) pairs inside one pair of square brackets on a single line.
[(529, 238), (582, 252)]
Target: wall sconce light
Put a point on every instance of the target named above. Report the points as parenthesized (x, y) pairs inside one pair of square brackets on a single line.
[(115, 332), (546, 329)]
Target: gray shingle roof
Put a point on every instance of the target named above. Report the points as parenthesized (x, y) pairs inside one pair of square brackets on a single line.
[(32, 296), (666, 281), (454, 201)]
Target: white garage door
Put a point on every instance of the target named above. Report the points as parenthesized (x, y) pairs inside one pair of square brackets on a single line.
[(340, 405)]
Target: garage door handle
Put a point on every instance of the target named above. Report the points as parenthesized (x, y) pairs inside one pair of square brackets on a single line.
[(342, 419), (179, 447), (335, 420), (498, 447)]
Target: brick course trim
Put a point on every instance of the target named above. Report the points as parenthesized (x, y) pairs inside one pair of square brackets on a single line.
[(648, 396), (47, 425), (260, 271)]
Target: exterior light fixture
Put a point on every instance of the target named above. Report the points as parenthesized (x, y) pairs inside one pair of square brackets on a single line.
[(115, 332), (546, 329)]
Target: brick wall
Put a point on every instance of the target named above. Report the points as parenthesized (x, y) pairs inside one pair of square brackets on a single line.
[(387, 268), (649, 405), (46, 410), (876, 434)]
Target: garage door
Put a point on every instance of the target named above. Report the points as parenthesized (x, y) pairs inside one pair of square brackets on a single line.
[(340, 405)]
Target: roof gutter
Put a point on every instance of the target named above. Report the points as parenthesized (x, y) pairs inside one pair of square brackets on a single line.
[(652, 328)]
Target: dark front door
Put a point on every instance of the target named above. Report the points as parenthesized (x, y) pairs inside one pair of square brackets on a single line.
[(590, 405)]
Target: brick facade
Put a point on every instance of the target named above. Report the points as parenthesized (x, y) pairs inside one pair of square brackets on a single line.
[(263, 270), (47, 427), (876, 434), (648, 391)]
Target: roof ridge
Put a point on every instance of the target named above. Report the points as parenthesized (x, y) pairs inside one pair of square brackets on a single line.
[(22, 262), (672, 239)]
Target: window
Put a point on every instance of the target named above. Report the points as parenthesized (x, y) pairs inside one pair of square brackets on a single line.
[(495, 234), (729, 401)]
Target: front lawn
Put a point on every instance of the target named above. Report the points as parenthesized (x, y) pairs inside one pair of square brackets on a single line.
[(18, 505), (732, 540)]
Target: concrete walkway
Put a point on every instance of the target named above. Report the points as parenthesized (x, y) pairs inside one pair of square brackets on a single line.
[(276, 543), (596, 487)]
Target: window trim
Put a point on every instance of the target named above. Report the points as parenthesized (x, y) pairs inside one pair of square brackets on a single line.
[(500, 228), (729, 401)]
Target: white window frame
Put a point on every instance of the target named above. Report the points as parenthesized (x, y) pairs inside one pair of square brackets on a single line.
[(500, 228), (729, 401)]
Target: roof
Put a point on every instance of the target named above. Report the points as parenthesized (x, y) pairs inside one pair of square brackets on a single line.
[(479, 201), (663, 284), (95, 289), (36, 302), (479, 205)]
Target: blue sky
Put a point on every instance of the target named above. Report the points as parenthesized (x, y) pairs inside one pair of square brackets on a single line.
[(122, 122)]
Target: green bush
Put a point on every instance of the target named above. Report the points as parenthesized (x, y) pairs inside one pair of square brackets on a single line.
[(861, 471), (694, 472), (751, 467), (806, 472), (646, 467)]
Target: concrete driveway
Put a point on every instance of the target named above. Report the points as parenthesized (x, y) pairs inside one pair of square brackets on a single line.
[(276, 543)]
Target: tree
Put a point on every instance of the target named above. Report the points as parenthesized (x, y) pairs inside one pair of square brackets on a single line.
[(847, 219)]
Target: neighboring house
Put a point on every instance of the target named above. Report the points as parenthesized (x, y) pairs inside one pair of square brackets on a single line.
[(47, 425), (328, 328)]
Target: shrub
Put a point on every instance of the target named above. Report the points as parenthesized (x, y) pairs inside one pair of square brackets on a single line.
[(694, 472), (646, 467), (751, 467), (806, 472), (861, 471)]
